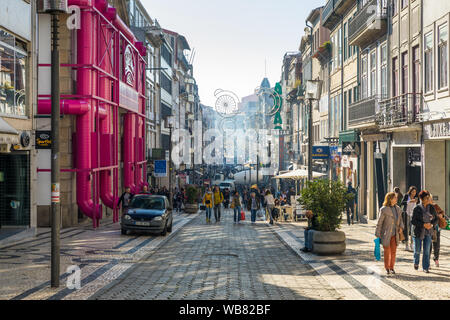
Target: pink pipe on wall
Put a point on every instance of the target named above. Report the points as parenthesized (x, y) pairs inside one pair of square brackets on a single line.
[(106, 157), (72, 107), (86, 86)]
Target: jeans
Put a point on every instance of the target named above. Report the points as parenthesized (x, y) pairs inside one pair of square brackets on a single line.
[(436, 246), (407, 224), (350, 217), (208, 213), (253, 212), (309, 239), (426, 251), (270, 210), (237, 214), (217, 212)]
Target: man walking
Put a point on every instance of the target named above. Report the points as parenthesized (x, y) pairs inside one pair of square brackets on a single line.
[(125, 200), (218, 199), (351, 204), (253, 206)]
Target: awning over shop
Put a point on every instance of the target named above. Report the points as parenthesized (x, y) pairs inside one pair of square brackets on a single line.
[(298, 174), (8, 135), (349, 136)]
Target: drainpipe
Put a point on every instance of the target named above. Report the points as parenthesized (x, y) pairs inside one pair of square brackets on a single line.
[(310, 113)]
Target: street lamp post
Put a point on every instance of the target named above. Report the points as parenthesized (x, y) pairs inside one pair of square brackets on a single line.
[(313, 88), (170, 126), (54, 8)]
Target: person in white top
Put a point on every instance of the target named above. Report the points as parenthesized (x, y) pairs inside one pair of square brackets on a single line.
[(409, 202), (270, 204)]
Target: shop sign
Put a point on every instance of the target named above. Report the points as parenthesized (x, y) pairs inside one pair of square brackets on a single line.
[(322, 152), (160, 168), (43, 139), (345, 162), (129, 65), (128, 97), (438, 130)]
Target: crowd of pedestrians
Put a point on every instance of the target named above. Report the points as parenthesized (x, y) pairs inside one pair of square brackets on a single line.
[(414, 220)]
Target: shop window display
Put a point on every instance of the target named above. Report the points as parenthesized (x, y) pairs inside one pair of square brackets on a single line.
[(13, 59)]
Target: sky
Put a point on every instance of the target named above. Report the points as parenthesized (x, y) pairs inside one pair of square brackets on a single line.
[(235, 39)]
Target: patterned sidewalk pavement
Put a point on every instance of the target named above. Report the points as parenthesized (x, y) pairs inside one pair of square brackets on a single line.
[(102, 256), (357, 275)]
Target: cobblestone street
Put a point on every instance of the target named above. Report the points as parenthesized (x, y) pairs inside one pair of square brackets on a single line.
[(202, 261), (221, 261)]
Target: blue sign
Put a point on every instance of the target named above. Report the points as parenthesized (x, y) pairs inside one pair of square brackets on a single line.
[(321, 152), (160, 168)]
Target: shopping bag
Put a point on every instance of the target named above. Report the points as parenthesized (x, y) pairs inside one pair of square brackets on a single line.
[(242, 215), (448, 225), (377, 251)]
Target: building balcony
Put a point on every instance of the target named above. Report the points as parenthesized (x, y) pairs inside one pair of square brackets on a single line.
[(182, 59), (400, 111), (369, 24), (363, 111), (333, 12)]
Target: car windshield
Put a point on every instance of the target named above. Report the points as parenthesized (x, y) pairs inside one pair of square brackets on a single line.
[(147, 203), (225, 185)]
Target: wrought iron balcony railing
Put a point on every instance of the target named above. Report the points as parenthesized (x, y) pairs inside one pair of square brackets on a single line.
[(334, 10), (400, 111), (363, 111), (369, 23)]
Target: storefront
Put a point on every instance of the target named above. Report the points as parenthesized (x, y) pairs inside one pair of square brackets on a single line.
[(437, 162), (406, 160)]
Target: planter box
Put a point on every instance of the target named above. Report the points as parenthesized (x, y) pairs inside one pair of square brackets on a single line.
[(191, 208), (328, 243)]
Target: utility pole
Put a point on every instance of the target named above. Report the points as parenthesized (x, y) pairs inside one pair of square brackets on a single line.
[(55, 163)]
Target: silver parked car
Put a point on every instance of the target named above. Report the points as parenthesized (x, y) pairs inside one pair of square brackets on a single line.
[(146, 212)]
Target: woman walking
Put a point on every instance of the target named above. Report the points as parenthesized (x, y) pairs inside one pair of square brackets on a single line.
[(408, 203), (388, 229), (424, 220), (208, 200), (236, 206), (436, 239), (270, 204)]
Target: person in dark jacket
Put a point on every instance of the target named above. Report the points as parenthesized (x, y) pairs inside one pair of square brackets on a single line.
[(351, 204), (424, 220), (436, 243), (125, 200), (410, 200), (312, 225), (253, 206)]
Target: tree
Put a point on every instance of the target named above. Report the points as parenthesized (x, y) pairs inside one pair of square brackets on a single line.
[(326, 199)]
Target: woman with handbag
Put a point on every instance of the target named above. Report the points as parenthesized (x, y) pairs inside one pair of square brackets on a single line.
[(208, 200), (424, 221), (390, 230), (436, 238)]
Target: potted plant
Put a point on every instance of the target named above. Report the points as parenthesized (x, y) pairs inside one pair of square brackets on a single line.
[(192, 194), (327, 200)]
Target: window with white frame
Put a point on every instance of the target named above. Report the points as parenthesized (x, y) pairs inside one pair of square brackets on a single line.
[(384, 71), (373, 73), (364, 77), (442, 56), (428, 60)]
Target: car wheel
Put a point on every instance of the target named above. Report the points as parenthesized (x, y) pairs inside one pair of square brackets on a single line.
[(123, 231), (169, 229), (164, 232)]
